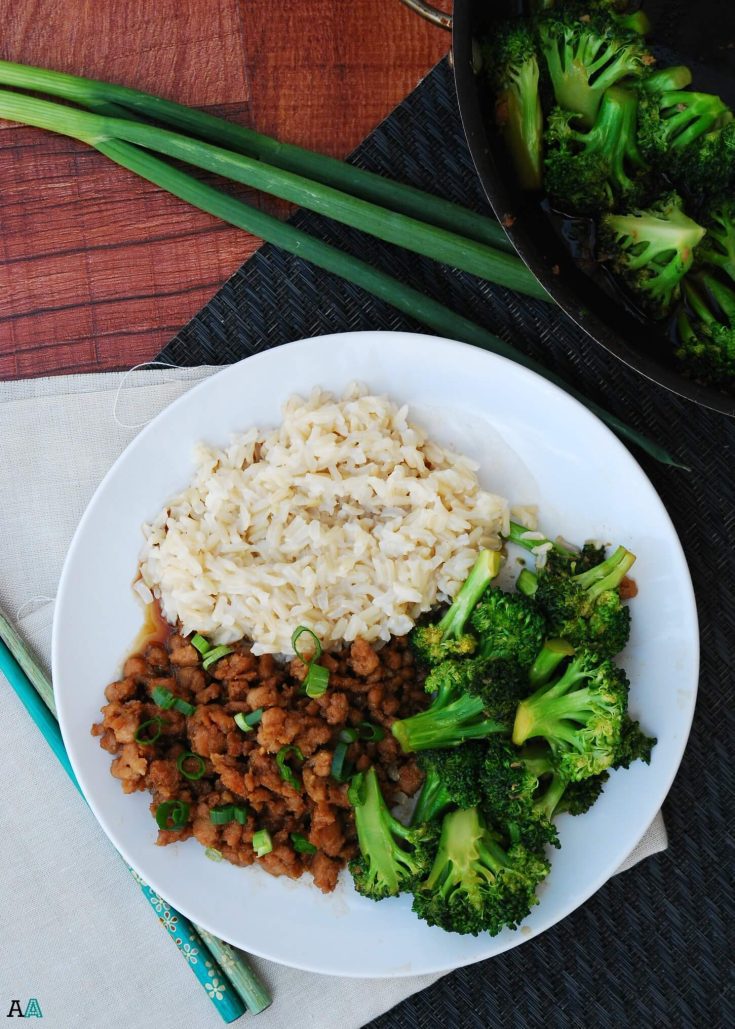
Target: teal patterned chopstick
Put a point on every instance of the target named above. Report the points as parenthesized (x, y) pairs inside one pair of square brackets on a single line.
[(219, 988)]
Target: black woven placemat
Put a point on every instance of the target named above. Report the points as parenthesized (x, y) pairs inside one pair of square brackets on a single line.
[(654, 946)]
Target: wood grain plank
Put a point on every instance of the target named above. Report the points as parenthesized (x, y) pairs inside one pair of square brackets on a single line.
[(97, 268)]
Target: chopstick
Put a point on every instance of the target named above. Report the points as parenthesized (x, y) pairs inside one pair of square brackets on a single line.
[(240, 987)]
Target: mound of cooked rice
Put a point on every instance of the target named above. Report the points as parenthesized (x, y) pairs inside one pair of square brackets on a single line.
[(347, 518)]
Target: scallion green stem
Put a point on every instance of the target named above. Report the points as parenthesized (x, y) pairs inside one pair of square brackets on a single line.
[(410, 301), (106, 98)]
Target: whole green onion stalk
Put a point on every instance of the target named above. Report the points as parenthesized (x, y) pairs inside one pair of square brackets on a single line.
[(117, 138)]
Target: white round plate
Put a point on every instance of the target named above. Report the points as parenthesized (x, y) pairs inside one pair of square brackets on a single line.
[(535, 445)]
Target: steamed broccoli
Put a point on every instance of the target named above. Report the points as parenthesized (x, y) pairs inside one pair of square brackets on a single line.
[(580, 715), (586, 54), (717, 249), (508, 625), (435, 642), (634, 745), (548, 659), (474, 884), (392, 857), (705, 329), (510, 59), (672, 120), (707, 170), (452, 779), (585, 609), (474, 699), (508, 787), (560, 557), (652, 250), (591, 171)]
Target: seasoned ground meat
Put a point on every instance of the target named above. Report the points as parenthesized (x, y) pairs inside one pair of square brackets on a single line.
[(365, 685)]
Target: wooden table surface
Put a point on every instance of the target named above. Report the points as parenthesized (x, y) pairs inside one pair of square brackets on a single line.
[(98, 269)]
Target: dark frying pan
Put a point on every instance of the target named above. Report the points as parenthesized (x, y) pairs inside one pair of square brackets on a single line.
[(558, 251)]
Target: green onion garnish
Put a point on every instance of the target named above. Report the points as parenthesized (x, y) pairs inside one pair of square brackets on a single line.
[(213, 854), (296, 635), (162, 697), (183, 706), (240, 813), (338, 770), (287, 773), (146, 738), (262, 842), (172, 814), (191, 773), (200, 643), (248, 722), (316, 681), (301, 845), (212, 656), (348, 735), (371, 732), (222, 814)]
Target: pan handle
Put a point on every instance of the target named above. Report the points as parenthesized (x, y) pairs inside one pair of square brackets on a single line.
[(430, 13)]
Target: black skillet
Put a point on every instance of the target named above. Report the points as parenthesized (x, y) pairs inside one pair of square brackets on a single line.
[(559, 250)]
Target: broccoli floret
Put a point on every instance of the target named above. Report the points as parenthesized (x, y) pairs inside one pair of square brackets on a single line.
[(717, 249), (509, 786), (580, 715), (511, 61), (586, 55), (585, 609), (677, 76), (705, 329), (587, 172), (435, 642), (452, 779), (652, 250), (392, 857), (548, 659), (558, 795), (707, 170), (508, 625), (672, 120), (474, 699), (474, 884), (634, 745)]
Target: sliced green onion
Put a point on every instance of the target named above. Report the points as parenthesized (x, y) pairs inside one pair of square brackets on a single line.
[(240, 813), (296, 635), (222, 814), (188, 773), (172, 814), (348, 735), (287, 774), (338, 770), (212, 656), (163, 697), (316, 681), (183, 706), (213, 854), (301, 845), (145, 739), (262, 842), (248, 722), (200, 643), (371, 732)]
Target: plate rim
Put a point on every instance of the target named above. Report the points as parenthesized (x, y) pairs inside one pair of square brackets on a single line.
[(607, 870)]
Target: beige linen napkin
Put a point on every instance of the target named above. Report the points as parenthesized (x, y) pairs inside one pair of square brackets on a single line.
[(76, 932)]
